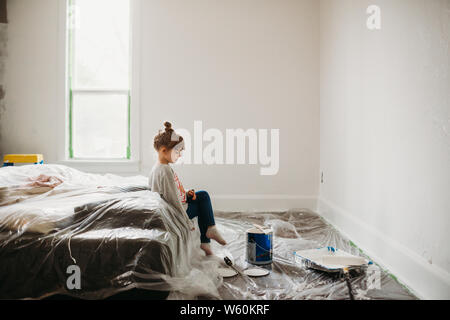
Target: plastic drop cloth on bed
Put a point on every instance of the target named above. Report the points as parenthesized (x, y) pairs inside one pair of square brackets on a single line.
[(120, 235), (123, 236)]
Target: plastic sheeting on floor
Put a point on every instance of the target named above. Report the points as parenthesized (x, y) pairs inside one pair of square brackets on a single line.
[(294, 231), (123, 236)]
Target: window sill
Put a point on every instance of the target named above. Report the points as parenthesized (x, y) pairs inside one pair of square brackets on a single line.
[(104, 166)]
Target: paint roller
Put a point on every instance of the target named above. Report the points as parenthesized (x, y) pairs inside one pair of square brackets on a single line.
[(345, 263), (349, 285), (342, 261)]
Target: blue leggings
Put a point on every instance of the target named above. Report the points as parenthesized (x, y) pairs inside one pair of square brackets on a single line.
[(201, 208)]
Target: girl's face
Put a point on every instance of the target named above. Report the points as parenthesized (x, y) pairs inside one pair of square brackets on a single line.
[(175, 154), (171, 156)]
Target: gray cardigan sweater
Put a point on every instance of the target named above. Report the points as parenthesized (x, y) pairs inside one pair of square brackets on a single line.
[(162, 181)]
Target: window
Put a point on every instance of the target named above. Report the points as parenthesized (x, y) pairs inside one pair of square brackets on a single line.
[(99, 79)]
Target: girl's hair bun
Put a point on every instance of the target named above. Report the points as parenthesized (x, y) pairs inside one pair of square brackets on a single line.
[(164, 138), (168, 126)]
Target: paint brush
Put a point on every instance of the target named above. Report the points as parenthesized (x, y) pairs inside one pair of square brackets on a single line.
[(243, 275), (230, 264)]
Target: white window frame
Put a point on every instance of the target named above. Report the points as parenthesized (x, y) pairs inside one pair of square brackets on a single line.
[(126, 166)]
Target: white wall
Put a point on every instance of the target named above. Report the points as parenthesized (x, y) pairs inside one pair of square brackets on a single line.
[(237, 64), (232, 64), (385, 125), (27, 123)]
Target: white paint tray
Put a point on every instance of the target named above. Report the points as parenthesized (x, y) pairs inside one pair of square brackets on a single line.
[(329, 259)]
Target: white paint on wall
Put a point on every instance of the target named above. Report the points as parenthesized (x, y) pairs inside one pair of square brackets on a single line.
[(232, 64), (385, 144), (235, 64), (27, 124)]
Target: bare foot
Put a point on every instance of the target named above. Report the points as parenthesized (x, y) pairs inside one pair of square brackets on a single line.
[(207, 248), (213, 233)]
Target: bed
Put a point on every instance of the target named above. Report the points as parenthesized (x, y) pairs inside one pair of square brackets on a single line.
[(118, 233)]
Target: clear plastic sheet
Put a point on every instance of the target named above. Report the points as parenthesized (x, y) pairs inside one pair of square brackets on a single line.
[(123, 236), (293, 231), (120, 235)]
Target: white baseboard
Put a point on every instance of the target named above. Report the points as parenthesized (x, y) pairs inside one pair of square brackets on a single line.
[(425, 280), (262, 202)]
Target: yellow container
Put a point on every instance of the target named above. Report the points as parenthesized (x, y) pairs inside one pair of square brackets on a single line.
[(11, 159)]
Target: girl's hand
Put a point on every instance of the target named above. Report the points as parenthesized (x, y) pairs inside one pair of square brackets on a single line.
[(191, 193)]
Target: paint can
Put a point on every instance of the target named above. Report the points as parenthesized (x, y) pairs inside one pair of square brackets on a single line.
[(259, 246)]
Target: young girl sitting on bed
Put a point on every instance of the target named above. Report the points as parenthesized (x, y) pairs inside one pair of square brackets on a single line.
[(164, 180)]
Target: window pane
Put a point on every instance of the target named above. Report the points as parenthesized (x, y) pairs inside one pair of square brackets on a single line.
[(100, 125), (101, 44)]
